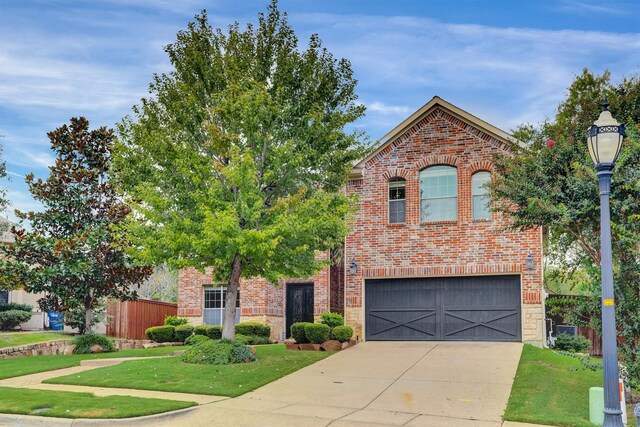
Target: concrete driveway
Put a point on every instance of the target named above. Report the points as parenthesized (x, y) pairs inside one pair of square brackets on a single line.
[(380, 383)]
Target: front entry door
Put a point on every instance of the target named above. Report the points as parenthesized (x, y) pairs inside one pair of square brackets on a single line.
[(299, 304)]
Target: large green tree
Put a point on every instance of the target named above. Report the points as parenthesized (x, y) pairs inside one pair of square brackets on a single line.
[(553, 184), (74, 249), (238, 158)]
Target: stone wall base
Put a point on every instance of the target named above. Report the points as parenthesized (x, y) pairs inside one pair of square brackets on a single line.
[(533, 326), (62, 347)]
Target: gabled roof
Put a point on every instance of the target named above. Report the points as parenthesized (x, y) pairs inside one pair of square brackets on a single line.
[(426, 109)]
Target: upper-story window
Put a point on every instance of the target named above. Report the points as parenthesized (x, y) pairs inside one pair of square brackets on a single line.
[(397, 201), (439, 193), (480, 194)]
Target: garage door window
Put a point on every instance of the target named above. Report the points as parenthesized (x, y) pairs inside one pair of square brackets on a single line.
[(439, 194)]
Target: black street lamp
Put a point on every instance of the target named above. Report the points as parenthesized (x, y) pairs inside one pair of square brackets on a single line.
[(604, 139)]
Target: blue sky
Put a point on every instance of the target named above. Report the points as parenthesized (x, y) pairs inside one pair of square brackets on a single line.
[(507, 61)]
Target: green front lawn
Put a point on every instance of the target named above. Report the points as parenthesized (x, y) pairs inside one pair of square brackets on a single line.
[(81, 405), (13, 339), (18, 366), (171, 374), (552, 389)]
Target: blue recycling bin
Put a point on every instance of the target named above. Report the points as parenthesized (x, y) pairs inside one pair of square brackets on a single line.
[(56, 320)]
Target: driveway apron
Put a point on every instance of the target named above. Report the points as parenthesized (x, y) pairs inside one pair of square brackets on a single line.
[(381, 383)]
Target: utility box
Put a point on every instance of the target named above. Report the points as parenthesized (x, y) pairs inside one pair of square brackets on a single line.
[(596, 405)]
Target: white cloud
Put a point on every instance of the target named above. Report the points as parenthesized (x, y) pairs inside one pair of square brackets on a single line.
[(382, 108)]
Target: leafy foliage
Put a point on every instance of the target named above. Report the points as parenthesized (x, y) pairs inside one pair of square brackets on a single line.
[(161, 333), (236, 158), (182, 332), (84, 343), (554, 186), (342, 333), (11, 318), (196, 339), (161, 285), (213, 332), (175, 320), (15, 306), (317, 333), (253, 329), (74, 251), (331, 319), (76, 317), (4, 202), (574, 344), (221, 352), (298, 332)]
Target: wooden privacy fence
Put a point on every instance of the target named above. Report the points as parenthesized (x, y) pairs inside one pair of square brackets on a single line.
[(129, 319)]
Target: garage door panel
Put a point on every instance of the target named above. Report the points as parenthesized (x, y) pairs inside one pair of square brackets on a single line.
[(485, 308)]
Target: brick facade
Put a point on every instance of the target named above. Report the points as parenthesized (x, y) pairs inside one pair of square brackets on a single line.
[(462, 247)]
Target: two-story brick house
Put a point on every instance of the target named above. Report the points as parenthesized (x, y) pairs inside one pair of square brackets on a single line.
[(426, 259)]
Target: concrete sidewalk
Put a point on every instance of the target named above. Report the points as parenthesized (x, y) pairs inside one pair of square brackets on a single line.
[(385, 383)]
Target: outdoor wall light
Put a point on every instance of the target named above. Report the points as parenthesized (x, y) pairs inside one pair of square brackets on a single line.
[(604, 139), (529, 261), (353, 267)]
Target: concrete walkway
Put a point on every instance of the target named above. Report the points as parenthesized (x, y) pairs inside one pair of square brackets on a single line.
[(371, 384)]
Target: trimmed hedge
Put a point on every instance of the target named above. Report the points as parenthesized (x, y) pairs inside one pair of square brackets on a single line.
[(84, 343), (211, 331), (331, 319), (221, 352), (298, 333), (196, 339), (161, 333), (253, 329), (342, 333), (175, 321), (577, 344), (183, 332), (317, 333), (244, 339), (252, 340), (11, 318), (15, 306)]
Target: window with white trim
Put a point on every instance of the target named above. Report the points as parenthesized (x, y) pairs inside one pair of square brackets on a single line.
[(214, 304), (439, 194), (397, 201), (481, 198)]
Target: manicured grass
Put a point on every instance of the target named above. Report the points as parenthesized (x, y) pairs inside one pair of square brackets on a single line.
[(18, 366), (171, 374), (13, 339), (81, 405), (552, 389)]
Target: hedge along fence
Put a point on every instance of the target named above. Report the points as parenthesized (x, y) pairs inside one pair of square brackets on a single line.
[(558, 306)]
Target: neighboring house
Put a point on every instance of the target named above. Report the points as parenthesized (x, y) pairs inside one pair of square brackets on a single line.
[(426, 259), (19, 296)]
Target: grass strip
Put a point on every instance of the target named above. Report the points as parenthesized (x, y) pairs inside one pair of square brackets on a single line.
[(173, 375)]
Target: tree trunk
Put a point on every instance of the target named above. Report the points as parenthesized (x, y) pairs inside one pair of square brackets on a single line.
[(229, 325), (88, 320)]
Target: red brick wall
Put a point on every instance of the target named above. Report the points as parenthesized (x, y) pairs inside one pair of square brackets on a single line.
[(461, 247)]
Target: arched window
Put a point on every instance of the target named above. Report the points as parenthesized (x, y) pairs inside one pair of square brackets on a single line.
[(480, 194), (397, 201), (439, 194)]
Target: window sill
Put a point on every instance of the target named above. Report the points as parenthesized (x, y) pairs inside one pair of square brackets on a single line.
[(482, 220), (397, 225), (448, 221)]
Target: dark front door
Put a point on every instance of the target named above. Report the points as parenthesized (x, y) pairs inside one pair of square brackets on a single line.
[(299, 304), (484, 308)]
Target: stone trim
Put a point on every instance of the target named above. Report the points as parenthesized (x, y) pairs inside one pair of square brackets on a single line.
[(59, 346)]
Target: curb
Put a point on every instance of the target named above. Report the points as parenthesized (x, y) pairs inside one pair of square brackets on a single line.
[(41, 421)]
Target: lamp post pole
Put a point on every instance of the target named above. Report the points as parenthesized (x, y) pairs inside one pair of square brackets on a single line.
[(604, 139), (612, 410)]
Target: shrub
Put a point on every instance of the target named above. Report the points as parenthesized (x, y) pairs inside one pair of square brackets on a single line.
[(183, 332), (14, 306), (84, 343), (260, 340), (298, 333), (331, 319), (211, 331), (317, 333), (161, 333), (76, 317), (244, 339), (220, 352), (253, 329), (566, 342), (342, 333), (175, 321), (11, 318), (196, 339)]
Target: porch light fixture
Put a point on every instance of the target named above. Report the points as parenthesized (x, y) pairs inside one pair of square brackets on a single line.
[(604, 139), (353, 267), (529, 261)]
